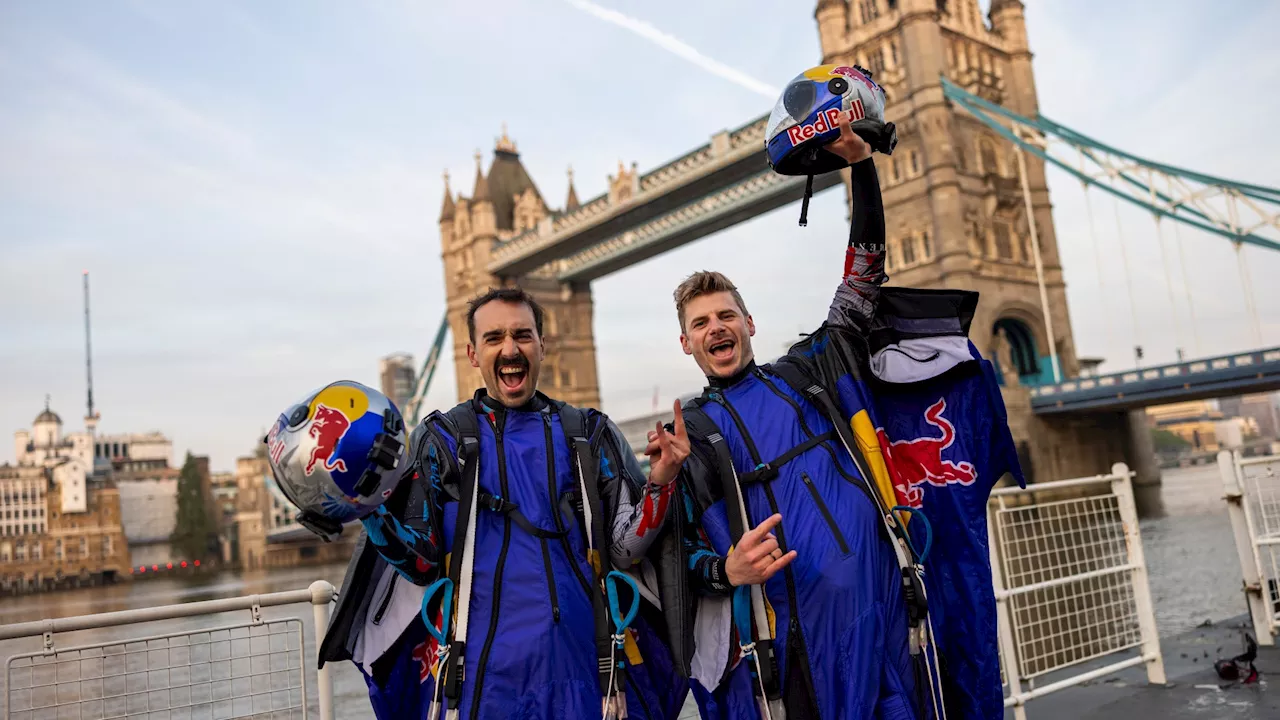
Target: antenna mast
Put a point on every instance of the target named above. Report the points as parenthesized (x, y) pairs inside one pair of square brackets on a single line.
[(90, 420)]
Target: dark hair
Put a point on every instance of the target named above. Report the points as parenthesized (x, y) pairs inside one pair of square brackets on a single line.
[(506, 294)]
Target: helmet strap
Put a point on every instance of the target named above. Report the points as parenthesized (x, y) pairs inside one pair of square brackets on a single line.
[(804, 203)]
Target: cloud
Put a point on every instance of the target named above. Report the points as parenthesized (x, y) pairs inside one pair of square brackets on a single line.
[(677, 47)]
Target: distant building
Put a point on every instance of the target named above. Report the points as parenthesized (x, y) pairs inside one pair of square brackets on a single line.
[(136, 451), (60, 522), (1263, 409), (397, 375), (1205, 427)]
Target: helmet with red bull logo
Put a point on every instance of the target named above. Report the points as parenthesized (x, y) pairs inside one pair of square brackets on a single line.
[(337, 455), (806, 119)]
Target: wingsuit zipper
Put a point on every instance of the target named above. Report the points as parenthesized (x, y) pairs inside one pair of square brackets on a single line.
[(826, 514), (555, 507), (386, 599), (792, 603), (497, 572)]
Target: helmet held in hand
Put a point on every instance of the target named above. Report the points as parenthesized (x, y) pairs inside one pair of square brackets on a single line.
[(337, 455), (806, 118)]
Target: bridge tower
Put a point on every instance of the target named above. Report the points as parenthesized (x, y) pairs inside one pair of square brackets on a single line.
[(505, 202), (953, 193)]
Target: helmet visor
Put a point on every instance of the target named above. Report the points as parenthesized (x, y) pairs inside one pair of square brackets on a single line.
[(798, 100)]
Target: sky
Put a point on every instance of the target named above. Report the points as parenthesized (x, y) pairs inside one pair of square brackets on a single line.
[(254, 187)]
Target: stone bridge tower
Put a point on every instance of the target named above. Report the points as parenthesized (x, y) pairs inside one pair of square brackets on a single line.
[(953, 194), (503, 203)]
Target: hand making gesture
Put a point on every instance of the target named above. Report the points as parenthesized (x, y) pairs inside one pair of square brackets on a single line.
[(756, 557), (667, 451)]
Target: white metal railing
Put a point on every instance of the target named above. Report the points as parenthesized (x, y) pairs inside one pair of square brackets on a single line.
[(1252, 492), (1070, 582), (251, 669)]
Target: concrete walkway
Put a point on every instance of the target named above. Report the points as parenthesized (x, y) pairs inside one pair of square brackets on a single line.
[(1194, 689)]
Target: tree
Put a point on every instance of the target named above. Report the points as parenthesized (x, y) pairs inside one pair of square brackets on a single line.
[(1168, 441), (193, 528)]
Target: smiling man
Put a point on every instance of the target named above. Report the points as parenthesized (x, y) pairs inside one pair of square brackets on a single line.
[(526, 496), (798, 580)]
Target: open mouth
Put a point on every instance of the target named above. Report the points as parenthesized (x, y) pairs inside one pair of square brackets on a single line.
[(512, 373), (722, 349)]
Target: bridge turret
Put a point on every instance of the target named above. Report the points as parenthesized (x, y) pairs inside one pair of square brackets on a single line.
[(833, 25), (571, 202), (1009, 22)]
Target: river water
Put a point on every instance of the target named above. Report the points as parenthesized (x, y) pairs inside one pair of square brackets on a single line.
[(1193, 572)]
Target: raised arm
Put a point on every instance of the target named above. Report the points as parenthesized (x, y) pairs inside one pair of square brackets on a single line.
[(859, 289), (640, 507)]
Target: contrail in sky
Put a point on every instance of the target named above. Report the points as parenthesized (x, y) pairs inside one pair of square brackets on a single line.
[(676, 46)]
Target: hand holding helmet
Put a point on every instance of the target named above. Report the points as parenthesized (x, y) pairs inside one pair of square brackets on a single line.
[(337, 455)]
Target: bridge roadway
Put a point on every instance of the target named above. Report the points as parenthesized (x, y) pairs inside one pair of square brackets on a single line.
[(1236, 374), (723, 182)]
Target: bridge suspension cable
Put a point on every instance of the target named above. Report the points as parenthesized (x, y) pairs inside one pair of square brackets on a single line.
[(1234, 210), (1186, 285), (1243, 213), (1097, 252)]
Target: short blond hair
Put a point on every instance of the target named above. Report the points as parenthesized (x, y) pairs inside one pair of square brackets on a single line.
[(704, 282)]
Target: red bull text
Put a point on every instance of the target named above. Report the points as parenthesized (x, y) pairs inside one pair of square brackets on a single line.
[(827, 120), (919, 461), (327, 427)]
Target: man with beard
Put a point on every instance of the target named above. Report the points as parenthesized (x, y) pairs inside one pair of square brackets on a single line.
[(523, 497), (807, 597)]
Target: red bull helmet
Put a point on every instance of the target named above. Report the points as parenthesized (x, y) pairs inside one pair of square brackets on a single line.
[(337, 455), (806, 118)]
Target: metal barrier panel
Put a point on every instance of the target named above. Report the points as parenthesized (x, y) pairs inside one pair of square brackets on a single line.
[(1070, 582), (237, 671), (255, 669), (1252, 488)]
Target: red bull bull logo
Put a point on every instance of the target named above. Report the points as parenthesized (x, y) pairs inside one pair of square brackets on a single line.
[(918, 461), (827, 120), (327, 427)]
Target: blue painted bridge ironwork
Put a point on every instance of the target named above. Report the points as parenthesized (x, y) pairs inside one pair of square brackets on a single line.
[(1236, 374)]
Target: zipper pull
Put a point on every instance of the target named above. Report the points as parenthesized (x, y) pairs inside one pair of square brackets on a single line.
[(493, 422)]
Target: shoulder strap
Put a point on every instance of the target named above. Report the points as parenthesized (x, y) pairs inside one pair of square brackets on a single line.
[(735, 505), (573, 422), (462, 558), (701, 423)]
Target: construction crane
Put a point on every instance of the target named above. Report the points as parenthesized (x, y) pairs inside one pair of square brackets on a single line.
[(413, 408)]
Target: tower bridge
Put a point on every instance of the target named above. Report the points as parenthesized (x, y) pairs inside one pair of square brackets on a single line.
[(966, 205)]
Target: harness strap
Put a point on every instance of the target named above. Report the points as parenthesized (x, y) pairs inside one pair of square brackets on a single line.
[(768, 472), (463, 552), (493, 503), (736, 511), (573, 424)]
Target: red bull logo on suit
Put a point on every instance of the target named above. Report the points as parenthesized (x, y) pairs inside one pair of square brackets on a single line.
[(919, 460)]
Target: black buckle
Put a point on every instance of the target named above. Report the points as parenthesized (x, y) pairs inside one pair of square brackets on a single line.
[(913, 594), (764, 472), (496, 504)]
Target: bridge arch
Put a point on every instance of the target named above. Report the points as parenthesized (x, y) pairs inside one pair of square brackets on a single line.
[(1023, 350)]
